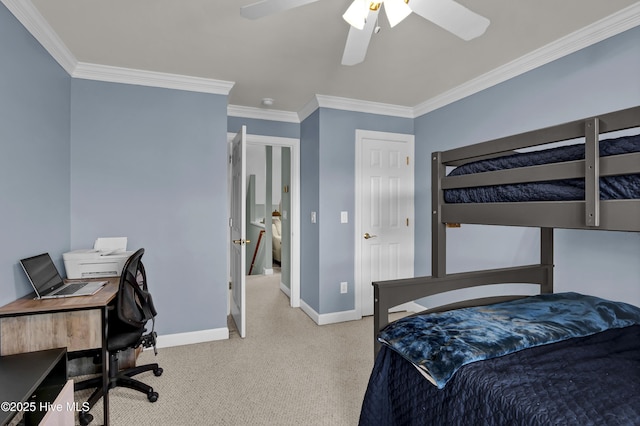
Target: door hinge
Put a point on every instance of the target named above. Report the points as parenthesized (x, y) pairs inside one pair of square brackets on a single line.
[(407, 160), (407, 221)]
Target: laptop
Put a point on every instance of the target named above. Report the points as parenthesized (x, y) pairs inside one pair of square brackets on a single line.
[(48, 284)]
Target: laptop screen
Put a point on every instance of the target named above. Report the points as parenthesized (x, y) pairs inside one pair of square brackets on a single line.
[(42, 273)]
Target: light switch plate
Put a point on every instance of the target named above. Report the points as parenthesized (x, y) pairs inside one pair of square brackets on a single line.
[(344, 217)]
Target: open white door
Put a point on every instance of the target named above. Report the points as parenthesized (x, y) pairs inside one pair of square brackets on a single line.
[(238, 230)]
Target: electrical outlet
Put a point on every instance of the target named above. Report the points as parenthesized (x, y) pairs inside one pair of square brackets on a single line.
[(344, 287)]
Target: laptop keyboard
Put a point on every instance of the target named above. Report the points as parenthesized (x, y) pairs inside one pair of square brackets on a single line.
[(71, 288)]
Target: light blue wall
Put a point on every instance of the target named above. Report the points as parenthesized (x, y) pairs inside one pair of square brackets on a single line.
[(82, 159), (336, 158), (34, 155), (264, 127), (310, 202), (150, 164), (601, 78)]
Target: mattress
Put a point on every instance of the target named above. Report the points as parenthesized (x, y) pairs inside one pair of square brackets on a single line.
[(611, 187), (592, 380)]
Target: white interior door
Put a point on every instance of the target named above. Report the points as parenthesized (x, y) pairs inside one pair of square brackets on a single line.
[(385, 211), (238, 230)]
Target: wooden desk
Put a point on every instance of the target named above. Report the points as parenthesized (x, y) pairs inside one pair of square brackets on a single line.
[(78, 323), (31, 382)]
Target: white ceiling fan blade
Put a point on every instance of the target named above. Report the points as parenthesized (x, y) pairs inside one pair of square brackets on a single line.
[(451, 16), (269, 7), (358, 40)]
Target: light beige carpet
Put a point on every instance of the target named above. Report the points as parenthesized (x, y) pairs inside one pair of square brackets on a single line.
[(287, 371)]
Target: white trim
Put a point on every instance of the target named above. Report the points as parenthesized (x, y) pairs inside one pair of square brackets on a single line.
[(308, 109), (294, 144), (191, 337), (609, 26), (364, 106), (151, 78), (286, 290), (262, 114), (331, 318), (614, 24), (412, 307), (354, 105), (34, 22)]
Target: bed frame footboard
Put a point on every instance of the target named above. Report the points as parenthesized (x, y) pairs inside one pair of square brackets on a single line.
[(388, 294)]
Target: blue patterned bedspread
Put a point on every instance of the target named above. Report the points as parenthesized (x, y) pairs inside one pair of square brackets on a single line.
[(440, 343), (586, 381), (611, 187)]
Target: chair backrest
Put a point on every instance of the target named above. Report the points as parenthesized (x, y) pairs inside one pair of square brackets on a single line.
[(134, 304)]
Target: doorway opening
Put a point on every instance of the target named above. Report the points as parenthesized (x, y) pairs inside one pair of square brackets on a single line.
[(273, 211)]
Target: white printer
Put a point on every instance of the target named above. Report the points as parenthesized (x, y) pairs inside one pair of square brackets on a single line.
[(105, 259)]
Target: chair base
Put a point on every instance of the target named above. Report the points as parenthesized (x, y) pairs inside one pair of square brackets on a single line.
[(117, 378)]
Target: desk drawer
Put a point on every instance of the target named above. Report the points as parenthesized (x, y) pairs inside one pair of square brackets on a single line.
[(75, 330)]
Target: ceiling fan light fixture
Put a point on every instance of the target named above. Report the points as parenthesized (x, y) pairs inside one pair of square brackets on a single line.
[(396, 11), (356, 14)]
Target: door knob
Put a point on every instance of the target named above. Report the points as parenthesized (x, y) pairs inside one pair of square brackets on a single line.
[(241, 242), (367, 236)]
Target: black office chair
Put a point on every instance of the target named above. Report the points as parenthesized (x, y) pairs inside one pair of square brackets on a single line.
[(133, 309)]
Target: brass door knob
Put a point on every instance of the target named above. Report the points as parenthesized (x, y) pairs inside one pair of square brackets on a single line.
[(241, 242), (367, 236)]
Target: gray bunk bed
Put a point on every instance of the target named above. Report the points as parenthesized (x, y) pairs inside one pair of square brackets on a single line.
[(589, 198)]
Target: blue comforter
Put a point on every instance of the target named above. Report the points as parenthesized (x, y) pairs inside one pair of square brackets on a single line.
[(440, 343), (593, 380), (611, 187)]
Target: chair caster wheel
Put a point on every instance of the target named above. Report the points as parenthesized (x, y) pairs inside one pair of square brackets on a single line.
[(85, 418), (152, 396), (158, 371)]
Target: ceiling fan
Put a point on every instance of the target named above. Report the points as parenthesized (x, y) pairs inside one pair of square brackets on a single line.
[(362, 15)]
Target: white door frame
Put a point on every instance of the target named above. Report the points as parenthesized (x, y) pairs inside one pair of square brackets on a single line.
[(359, 231), (238, 233), (294, 238)]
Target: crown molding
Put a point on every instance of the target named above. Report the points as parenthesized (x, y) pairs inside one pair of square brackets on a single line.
[(364, 106), (262, 114), (32, 20), (151, 78), (607, 27), (39, 28), (308, 109), (354, 105)]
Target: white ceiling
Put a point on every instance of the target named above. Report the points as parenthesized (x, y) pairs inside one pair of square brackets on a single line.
[(296, 54)]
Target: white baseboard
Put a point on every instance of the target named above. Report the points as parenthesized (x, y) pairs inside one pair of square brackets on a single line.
[(286, 290), (191, 337), (352, 315), (332, 318), (410, 307)]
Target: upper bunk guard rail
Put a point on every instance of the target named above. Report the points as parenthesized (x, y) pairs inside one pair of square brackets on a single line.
[(587, 214), (613, 121), (621, 164)]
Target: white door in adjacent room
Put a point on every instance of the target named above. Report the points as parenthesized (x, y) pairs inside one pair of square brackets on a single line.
[(238, 230), (384, 211)]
